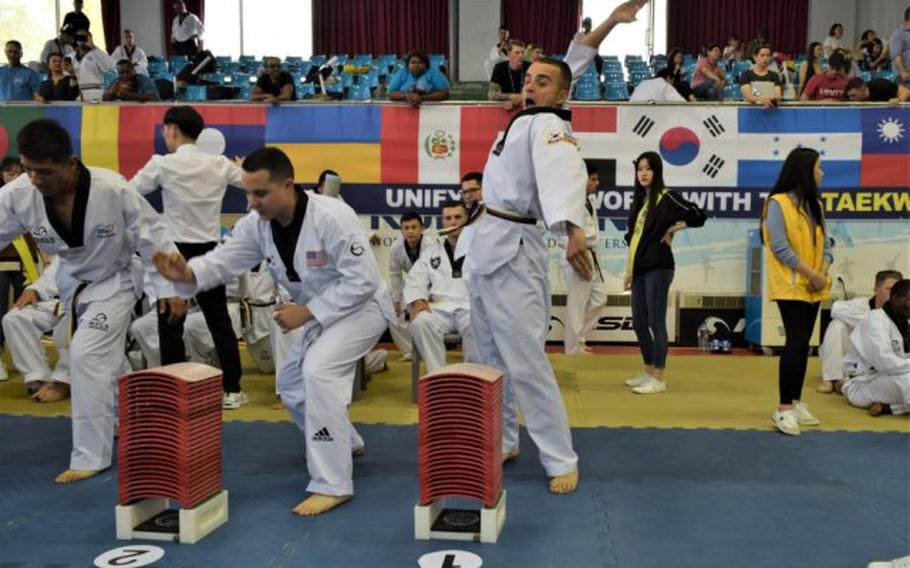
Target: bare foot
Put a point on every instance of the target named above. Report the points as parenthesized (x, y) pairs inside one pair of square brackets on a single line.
[(317, 504), (52, 392), (826, 387), (879, 409), (510, 455), (838, 387), (277, 405), (74, 475), (564, 483)]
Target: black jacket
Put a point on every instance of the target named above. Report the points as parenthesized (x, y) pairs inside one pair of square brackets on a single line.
[(652, 254)]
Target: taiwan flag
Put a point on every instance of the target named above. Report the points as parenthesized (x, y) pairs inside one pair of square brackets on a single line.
[(886, 148)]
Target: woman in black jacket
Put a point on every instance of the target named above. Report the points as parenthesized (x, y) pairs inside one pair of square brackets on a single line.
[(657, 213)]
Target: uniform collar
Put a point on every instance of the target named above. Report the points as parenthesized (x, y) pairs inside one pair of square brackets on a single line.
[(564, 114), (75, 236)]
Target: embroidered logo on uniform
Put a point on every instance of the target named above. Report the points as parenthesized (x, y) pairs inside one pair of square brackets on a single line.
[(99, 322), (316, 258), (897, 346), (356, 249), (435, 262), (557, 136), (42, 237), (105, 231), (323, 436), (439, 145)]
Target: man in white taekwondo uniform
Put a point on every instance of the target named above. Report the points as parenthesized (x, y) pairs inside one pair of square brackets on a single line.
[(879, 357), (318, 251), (845, 316), (437, 295), (36, 312), (585, 299), (94, 223), (405, 251), (534, 171), (193, 185)]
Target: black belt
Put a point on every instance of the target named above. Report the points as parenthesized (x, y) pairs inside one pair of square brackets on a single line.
[(513, 218), (596, 264)]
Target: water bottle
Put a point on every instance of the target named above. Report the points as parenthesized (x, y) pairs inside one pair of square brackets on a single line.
[(703, 337)]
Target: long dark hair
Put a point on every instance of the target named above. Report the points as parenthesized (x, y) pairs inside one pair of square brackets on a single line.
[(672, 66), (641, 192), (798, 175)]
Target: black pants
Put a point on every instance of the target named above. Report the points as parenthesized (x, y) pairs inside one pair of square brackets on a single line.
[(188, 47), (799, 319), (213, 304), (649, 315)]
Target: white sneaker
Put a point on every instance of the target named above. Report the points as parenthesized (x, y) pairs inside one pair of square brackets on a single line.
[(786, 422), (234, 400), (4, 376), (651, 386), (803, 416), (404, 358), (638, 380)]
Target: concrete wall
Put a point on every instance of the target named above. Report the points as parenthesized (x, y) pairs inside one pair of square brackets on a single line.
[(146, 19), (478, 21)]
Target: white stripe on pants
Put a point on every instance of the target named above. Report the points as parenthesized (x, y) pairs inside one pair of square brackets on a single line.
[(831, 351), (315, 384), (585, 300), (430, 328), (893, 390), (510, 315), (96, 360), (24, 329)]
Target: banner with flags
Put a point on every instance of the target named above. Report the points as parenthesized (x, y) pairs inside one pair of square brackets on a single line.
[(393, 158)]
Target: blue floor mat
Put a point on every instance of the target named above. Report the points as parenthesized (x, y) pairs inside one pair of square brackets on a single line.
[(648, 499)]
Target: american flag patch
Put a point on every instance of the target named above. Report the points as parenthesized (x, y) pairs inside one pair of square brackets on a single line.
[(316, 258)]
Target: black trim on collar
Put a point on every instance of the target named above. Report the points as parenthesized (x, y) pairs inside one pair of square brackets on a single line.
[(456, 264), (75, 236), (872, 303), (416, 254), (562, 113), (285, 238)]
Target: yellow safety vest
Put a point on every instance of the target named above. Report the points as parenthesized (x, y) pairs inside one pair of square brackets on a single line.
[(785, 283)]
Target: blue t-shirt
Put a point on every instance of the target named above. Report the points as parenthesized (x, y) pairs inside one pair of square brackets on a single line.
[(145, 86), (429, 82), (900, 45), (18, 83)]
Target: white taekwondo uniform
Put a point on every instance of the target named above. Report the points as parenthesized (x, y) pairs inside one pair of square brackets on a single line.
[(535, 171), (400, 262), (90, 71), (258, 298), (440, 280), (24, 328), (95, 281), (845, 316), (879, 363), (585, 299), (323, 259)]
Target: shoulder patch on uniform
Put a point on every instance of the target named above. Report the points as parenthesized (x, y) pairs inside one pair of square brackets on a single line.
[(557, 136)]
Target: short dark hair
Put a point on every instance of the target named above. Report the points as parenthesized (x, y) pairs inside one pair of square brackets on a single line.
[(900, 289), (866, 34), (516, 43), (14, 42), (44, 139), (592, 168), (128, 31), (711, 46), (410, 216), (419, 54), (664, 73), (565, 72), (834, 26), (883, 275), (764, 46), (475, 176), (48, 62), (326, 173), (8, 162), (127, 62), (907, 14), (453, 203), (838, 61), (854, 83), (273, 161), (187, 120)]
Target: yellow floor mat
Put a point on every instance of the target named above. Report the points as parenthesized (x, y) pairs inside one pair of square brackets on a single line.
[(738, 392)]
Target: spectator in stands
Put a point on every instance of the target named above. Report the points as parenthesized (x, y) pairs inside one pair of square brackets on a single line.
[(68, 68), (659, 89), (709, 79), (130, 86), (129, 50), (274, 85), (11, 168), (760, 39), (58, 86), (472, 190), (759, 85), (900, 51), (877, 90), (93, 64), (76, 20), (418, 82), (874, 57), (835, 39), (509, 76), (734, 49), (186, 30), (17, 82), (500, 52), (678, 72), (830, 85), (333, 188), (811, 66), (579, 36), (534, 52), (62, 44)]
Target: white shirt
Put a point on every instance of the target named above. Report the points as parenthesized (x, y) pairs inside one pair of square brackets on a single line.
[(851, 312), (91, 69), (193, 185), (431, 279), (831, 43), (656, 89), (191, 26), (56, 46), (400, 264), (139, 60), (876, 346)]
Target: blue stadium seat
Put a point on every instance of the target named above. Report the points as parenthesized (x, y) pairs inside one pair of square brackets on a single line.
[(437, 60), (361, 59), (157, 66), (222, 59), (318, 59), (109, 79), (306, 91), (732, 92), (885, 74), (192, 93), (360, 90), (616, 91), (588, 91)]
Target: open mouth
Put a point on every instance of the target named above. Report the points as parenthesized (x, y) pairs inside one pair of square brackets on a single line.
[(529, 103)]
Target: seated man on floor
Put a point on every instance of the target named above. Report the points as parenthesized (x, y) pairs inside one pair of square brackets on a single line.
[(846, 315), (437, 293), (879, 357)]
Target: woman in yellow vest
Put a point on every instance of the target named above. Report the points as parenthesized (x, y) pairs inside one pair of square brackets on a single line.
[(797, 259)]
